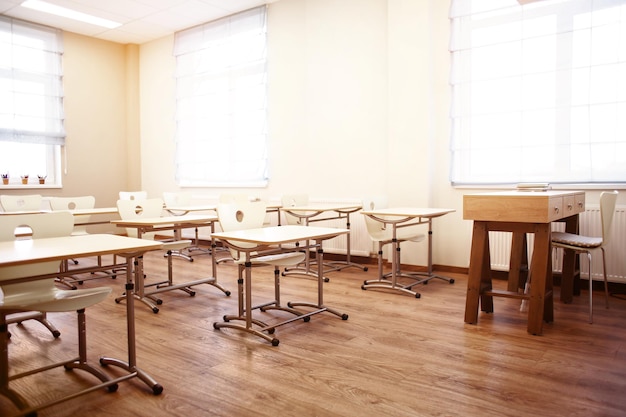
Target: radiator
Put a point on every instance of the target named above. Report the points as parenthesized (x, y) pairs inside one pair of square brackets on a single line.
[(590, 225)]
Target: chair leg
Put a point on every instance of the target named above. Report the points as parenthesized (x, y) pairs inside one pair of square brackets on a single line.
[(590, 290), (606, 282)]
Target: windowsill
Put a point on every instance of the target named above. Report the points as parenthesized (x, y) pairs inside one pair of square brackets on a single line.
[(582, 186), (28, 186)]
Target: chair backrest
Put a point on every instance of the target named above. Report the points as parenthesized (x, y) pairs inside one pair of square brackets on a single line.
[(241, 216), (131, 209), (376, 230), (292, 200), (42, 225), (607, 211), (238, 198), (181, 198), (11, 203), (72, 203), (133, 195)]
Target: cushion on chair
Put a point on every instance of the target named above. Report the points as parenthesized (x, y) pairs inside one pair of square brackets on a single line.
[(576, 240)]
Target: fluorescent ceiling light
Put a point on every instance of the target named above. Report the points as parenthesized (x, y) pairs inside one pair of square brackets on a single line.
[(71, 14)]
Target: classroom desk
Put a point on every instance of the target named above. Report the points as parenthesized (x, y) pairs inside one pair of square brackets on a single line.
[(308, 214), (166, 223), (400, 217), (192, 208), (275, 236), (519, 212), (26, 252)]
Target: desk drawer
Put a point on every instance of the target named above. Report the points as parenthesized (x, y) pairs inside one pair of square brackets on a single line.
[(527, 207)]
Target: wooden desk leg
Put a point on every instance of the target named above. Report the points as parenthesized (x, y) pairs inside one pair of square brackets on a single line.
[(479, 278), (518, 265), (538, 302), (568, 273)]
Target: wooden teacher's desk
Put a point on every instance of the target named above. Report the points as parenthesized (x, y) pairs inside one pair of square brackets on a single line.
[(24, 252), (520, 212), (266, 241)]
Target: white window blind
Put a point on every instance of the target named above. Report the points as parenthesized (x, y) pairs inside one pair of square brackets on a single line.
[(31, 89), (221, 117), (538, 91)]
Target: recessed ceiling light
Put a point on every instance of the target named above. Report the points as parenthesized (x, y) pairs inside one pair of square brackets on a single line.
[(71, 14)]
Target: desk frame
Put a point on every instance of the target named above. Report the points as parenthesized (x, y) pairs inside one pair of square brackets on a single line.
[(263, 238), (405, 217), (308, 214), (175, 223)]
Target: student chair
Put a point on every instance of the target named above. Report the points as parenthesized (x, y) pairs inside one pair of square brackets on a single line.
[(133, 195), (73, 203), (14, 203), (251, 215), (292, 200), (585, 244), (148, 208), (184, 198), (41, 295), (382, 235)]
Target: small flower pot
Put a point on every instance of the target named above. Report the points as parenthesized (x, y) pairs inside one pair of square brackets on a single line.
[(5, 181), (42, 180), (24, 180)]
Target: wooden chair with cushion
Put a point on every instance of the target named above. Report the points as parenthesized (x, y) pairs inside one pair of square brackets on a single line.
[(41, 295), (586, 244)]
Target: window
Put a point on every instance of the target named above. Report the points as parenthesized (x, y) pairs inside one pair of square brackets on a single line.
[(31, 101), (221, 133), (538, 91)]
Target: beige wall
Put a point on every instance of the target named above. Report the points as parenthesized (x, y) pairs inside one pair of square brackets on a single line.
[(98, 113)]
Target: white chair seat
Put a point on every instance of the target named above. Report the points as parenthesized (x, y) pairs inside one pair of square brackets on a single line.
[(55, 300)]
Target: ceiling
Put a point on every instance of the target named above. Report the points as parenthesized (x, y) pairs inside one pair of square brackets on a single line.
[(142, 20)]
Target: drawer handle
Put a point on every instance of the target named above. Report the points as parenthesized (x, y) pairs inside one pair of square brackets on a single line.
[(580, 204), (570, 207), (556, 210)]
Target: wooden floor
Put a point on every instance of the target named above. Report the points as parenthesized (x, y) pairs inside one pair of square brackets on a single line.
[(395, 356)]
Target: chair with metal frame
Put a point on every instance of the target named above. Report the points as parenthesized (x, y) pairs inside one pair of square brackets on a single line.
[(152, 207), (41, 295), (586, 244), (382, 235), (251, 215), (74, 203)]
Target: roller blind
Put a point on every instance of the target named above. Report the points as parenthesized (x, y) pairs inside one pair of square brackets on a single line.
[(538, 91), (221, 114), (31, 83)]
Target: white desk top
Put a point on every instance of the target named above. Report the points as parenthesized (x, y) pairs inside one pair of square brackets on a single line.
[(191, 219), (20, 252), (323, 207), (412, 212), (277, 235)]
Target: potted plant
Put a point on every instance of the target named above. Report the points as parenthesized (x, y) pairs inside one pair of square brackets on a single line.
[(42, 179), (25, 179), (5, 178)]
